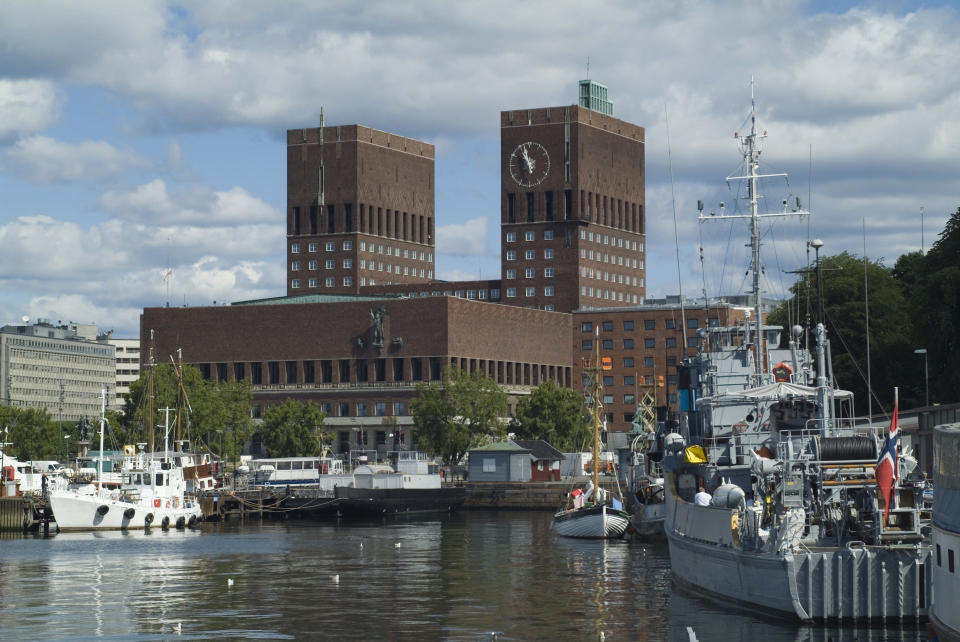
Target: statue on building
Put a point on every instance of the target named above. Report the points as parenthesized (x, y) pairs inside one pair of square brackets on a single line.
[(377, 314)]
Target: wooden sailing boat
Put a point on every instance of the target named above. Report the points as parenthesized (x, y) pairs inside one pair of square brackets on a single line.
[(591, 513)]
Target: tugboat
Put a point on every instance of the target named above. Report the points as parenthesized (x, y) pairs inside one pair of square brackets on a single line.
[(790, 517)]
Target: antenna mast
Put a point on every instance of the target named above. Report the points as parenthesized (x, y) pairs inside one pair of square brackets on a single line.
[(320, 174), (751, 154)]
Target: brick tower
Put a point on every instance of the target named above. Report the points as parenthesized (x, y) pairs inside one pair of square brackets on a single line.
[(572, 207)]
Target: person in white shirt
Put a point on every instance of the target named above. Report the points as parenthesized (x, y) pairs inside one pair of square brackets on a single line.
[(702, 498)]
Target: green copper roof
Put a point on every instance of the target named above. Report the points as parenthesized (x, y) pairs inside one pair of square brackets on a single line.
[(320, 298), (501, 446)]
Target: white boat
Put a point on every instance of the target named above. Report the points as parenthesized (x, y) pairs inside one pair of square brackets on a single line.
[(821, 542), (944, 616), (591, 512), (152, 492)]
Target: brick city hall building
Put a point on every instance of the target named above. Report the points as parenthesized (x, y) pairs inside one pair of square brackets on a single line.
[(364, 319)]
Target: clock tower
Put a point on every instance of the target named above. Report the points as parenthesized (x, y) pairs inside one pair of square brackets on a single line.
[(572, 209)]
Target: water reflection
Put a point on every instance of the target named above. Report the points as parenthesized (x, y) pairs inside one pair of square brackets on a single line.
[(456, 578)]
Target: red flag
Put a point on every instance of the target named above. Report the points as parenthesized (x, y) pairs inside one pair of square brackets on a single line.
[(886, 472)]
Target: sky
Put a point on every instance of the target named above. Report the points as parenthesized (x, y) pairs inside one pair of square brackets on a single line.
[(142, 144)]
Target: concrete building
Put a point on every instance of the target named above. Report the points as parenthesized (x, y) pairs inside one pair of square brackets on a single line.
[(128, 370), (59, 368)]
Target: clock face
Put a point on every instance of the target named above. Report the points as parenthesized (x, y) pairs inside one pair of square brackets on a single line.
[(529, 164)]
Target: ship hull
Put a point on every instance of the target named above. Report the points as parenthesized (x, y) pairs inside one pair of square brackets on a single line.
[(393, 501), (75, 512), (852, 583), (593, 522)]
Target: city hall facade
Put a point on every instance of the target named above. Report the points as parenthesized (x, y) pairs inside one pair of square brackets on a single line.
[(364, 319)]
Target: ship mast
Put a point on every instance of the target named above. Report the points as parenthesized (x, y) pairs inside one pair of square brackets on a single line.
[(750, 146)]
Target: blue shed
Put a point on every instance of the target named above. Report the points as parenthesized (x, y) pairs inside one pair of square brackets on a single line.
[(498, 462)]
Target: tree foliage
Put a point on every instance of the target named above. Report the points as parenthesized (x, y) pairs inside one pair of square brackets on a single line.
[(30, 433), (553, 414), (463, 411), (292, 429), (218, 413)]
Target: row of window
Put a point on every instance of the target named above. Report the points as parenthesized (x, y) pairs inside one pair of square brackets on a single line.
[(363, 409), (529, 235), (530, 291), (613, 241), (329, 282), (649, 343), (648, 324), (331, 246), (530, 254), (608, 295), (599, 275), (612, 259), (406, 270), (530, 273)]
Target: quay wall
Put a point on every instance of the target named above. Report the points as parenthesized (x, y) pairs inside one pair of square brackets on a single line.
[(14, 513), (523, 495)]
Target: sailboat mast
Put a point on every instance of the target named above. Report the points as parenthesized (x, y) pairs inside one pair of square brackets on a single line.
[(753, 163), (595, 393), (149, 419), (103, 422)]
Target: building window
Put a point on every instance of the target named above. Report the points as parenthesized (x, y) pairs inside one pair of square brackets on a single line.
[(397, 408), (312, 265), (648, 362), (608, 344), (330, 264), (649, 343), (628, 344), (670, 324), (511, 293), (529, 273), (548, 272), (530, 291), (331, 246), (548, 253), (628, 325), (693, 323), (607, 326), (348, 280), (295, 284), (548, 290), (348, 245), (586, 344), (628, 362), (361, 409), (548, 235), (489, 465), (312, 283), (629, 400), (671, 342), (313, 247), (330, 282), (511, 237), (381, 409), (295, 266), (628, 380), (529, 235), (511, 274), (295, 248), (607, 399), (649, 324), (348, 263), (586, 326), (511, 255), (530, 254)]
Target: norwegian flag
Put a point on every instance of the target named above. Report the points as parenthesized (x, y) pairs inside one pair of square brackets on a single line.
[(886, 472)]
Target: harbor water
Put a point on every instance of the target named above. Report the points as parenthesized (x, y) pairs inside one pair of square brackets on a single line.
[(475, 575)]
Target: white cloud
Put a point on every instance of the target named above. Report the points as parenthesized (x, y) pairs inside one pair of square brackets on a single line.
[(46, 160), (26, 106), (198, 206), (464, 239)]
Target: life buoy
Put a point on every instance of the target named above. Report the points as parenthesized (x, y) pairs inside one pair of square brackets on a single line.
[(782, 372)]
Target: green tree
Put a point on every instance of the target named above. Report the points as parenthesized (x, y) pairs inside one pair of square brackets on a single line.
[(464, 411), (30, 433), (219, 413), (844, 299), (292, 429), (931, 284), (554, 414)]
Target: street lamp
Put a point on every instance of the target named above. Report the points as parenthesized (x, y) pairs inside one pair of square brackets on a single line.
[(817, 244), (926, 376)]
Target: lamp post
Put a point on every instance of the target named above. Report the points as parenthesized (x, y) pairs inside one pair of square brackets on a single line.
[(926, 376)]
